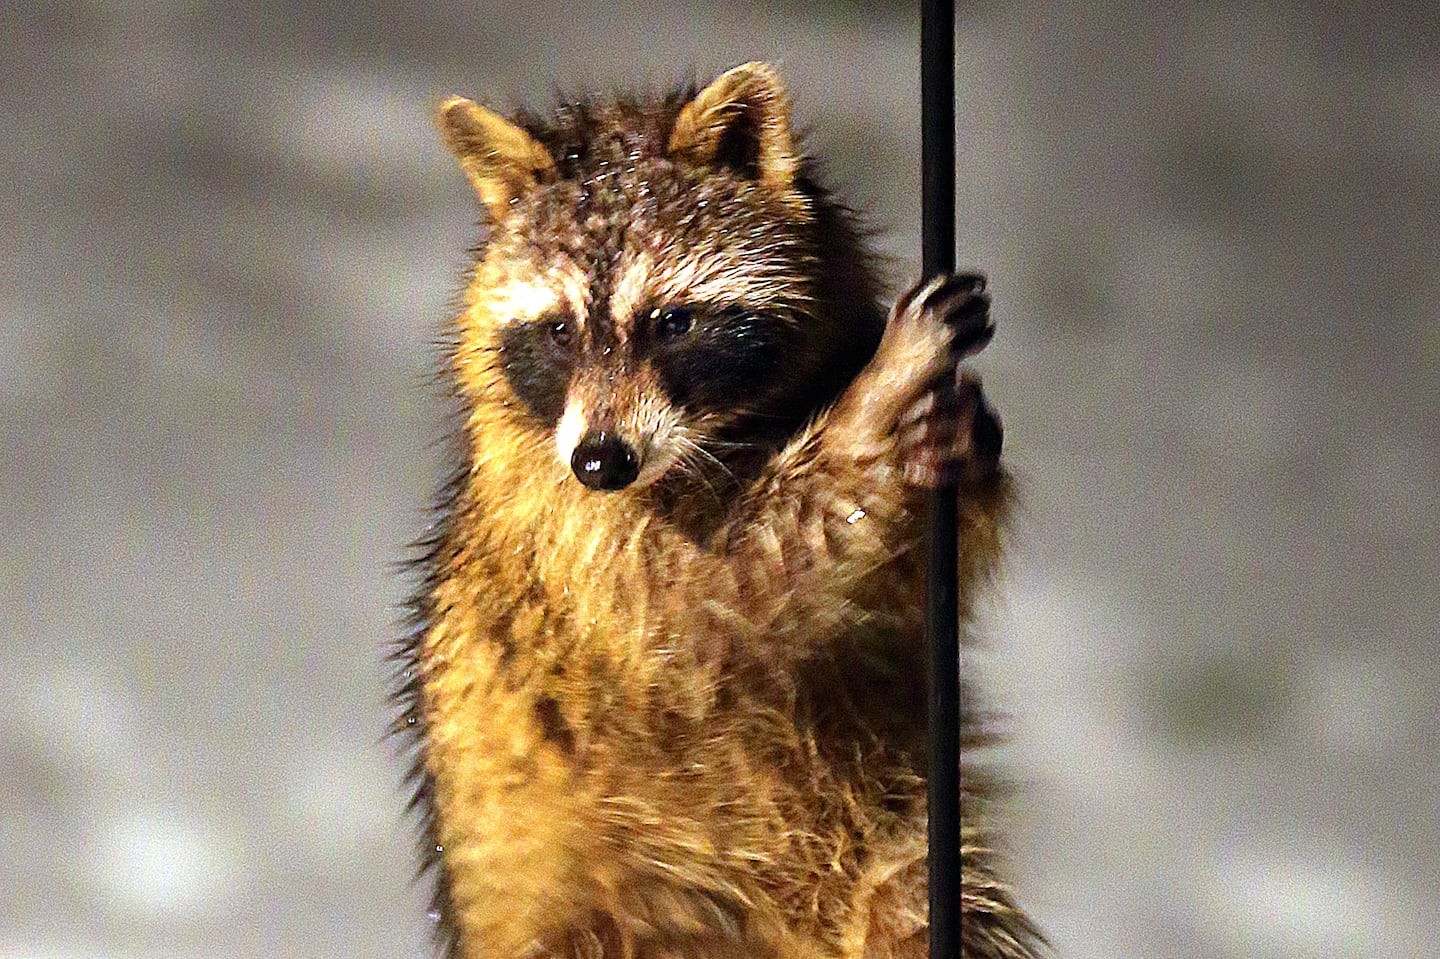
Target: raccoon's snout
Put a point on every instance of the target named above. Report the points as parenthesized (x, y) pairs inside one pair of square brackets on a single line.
[(604, 461)]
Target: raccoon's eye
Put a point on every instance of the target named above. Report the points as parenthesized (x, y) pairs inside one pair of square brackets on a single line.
[(673, 323), (560, 332)]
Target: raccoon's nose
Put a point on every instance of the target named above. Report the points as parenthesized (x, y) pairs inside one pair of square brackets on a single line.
[(603, 461)]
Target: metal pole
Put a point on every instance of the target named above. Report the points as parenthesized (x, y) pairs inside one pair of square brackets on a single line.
[(937, 127)]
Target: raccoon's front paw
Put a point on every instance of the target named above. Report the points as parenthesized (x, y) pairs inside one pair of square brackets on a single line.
[(954, 306), (912, 402), (950, 435)]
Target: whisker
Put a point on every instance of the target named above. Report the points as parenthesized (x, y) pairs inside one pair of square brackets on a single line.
[(689, 447)]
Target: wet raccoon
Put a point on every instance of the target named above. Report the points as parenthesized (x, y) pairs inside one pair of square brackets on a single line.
[(665, 673)]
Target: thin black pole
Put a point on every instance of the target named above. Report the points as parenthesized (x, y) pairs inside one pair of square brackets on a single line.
[(937, 179)]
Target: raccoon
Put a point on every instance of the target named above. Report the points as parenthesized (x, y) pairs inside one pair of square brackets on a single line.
[(663, 679)]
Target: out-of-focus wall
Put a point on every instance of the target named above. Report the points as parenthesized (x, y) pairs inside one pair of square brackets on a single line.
[(231, 234)]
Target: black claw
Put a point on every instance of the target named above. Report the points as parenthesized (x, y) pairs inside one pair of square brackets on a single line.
[(956, 285), (948, 285), (961, 303), (975, 281), (974, 338), (968, 314)]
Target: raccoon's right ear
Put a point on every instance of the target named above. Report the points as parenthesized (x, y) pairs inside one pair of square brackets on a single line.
[(741, 122), (501, 160)]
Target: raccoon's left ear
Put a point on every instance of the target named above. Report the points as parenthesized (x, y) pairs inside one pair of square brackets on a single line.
[(501, 160), (740, 122)]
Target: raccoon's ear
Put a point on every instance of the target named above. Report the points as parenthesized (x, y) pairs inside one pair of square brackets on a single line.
[(741, 122), (501, 160)]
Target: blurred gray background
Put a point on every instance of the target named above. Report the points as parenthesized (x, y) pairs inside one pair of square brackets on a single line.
[(231, 235)]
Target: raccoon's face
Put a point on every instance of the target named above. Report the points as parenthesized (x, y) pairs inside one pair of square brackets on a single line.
[(628, 403), (654, 326), (647, 305)]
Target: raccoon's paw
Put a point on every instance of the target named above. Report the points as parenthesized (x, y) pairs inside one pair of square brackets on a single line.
[(912, 392), (955, 303), (950, 434)]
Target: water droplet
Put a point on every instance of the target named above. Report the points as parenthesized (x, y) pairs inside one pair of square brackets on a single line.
[(409, 720), (439, 848), (433, 915)]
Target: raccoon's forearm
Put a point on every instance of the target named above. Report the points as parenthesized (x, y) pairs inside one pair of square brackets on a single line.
[(825, 533), (828, 538), (816, 541)]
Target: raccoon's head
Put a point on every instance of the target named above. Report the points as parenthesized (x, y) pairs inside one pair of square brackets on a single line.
[(661, 282)]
